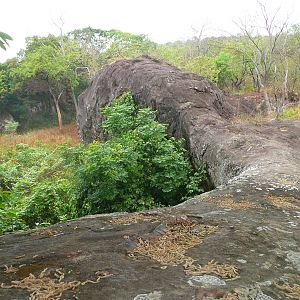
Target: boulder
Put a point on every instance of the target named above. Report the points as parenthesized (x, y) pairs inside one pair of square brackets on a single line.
[(198, 111)]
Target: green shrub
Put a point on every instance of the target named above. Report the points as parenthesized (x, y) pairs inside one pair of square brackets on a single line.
[(137, 168), (291, 113), (49, 202), (10, 214), (37, 181), (10, 127)]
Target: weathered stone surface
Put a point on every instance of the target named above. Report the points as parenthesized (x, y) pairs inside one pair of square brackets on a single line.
[(256, 205), (262, 236), (197, 110)]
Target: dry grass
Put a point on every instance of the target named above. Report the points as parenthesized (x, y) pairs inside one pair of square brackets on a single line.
[(253, 119), (44, 232), (230, 296), (170, 248), (227, 201), (132, 218), (50, 136), (292, 112), (290, 290), (11, 269), (43, 287), (286, 181), (242, 205), (213, 267), (283, 202)]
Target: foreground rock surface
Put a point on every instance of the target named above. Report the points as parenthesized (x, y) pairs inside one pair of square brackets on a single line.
[(256, 231), (239, 241)]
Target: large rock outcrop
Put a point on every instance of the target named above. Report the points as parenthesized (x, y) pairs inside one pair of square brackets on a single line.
[(197, 110), (249, 224)]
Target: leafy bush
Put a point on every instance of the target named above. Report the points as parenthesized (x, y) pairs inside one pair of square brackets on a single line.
[(10, 127), (49, 202), (204, 66), (10, 214), (137, 168), (35, 187)]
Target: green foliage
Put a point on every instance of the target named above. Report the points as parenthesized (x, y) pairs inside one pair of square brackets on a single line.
[(125, 45), (35, 187), (4, 38), (10, 126), (100, 47), (49, 202), (16, 107), (7, 80), (224, 66), (291, 113), (10, 214), (196, 183), (56, 63), (137, 168), (204, 66), (173, 53)]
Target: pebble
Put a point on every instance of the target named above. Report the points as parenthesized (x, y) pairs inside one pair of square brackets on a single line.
[(206, 281), (294, 259), (156, 295)]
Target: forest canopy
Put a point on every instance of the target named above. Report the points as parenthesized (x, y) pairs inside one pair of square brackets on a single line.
[(40, 86)]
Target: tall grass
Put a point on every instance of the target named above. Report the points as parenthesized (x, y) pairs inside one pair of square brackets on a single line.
[(50, 136), (291, 113), (287, 114)]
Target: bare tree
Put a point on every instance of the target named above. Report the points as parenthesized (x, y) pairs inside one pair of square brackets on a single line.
[(264, 42), (198, 36)]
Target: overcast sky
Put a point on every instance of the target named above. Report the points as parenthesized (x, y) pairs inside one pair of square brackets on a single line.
[(161, 20)]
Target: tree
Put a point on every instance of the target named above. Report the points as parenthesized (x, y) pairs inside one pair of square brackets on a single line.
[(204, 66), (4, 38), (263, 49), (101, 47), (55, 64), (225, 69), (177, 53)]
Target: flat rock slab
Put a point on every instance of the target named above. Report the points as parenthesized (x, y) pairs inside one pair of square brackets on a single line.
[(257, 231)]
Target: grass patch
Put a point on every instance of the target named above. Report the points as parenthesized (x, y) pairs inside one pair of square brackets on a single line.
[(287, 114), (291, 113), (253, 119), (49, 136)]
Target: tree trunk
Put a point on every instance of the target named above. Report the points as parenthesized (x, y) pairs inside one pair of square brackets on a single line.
[(57, 108), (265, 105), (74, 100), (59, 117)]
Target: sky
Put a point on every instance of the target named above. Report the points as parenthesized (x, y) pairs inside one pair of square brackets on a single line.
[(161, 20)]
